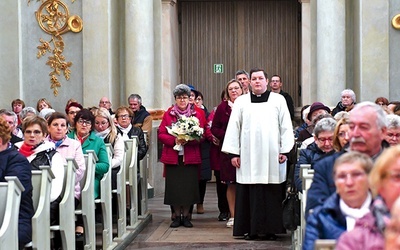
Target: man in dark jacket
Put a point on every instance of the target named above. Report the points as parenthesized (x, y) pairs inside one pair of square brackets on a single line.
[(367, 131), (141, 118), (12, 163), (276, 86)]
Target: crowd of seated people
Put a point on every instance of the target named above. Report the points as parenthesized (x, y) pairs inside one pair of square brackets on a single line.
[(350, 134)]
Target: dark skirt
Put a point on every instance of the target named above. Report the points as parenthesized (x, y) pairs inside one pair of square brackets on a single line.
[(258, 209), (228, 171), (181, 185)]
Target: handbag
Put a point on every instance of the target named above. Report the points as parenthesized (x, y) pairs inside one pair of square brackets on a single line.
[(291, 210), (291, 205)]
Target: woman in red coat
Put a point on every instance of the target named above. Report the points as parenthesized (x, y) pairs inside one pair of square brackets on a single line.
[(233, 90), (181, 167)]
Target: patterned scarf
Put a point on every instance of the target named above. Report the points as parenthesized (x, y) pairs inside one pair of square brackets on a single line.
[(177, 112), (381, 213)]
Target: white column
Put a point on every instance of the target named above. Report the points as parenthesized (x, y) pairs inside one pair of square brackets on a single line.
[(371, 46), (139, 54), (331, 51), (306, 78)]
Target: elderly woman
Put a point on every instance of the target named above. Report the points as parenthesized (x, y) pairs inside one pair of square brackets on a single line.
[(124, 116), (393, 129), (385, 186), (85, 135), (13, 163), (323, 144), (105, 129), (351, 201), (40, 152), (233, 90), (341, 134), (43, 103), (67, 147), (27, 111), (347, 102), (71, 110), (181, 167)]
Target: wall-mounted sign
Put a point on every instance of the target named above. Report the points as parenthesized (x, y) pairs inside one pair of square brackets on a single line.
[(218, 68)]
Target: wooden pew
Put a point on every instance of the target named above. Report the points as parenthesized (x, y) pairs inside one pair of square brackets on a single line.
[(132, 184), (67, 206), (41, 184), (105, 201), (325, 244), (143, 203), (86, 207), (307, 175), (10, 192), (121, 191)]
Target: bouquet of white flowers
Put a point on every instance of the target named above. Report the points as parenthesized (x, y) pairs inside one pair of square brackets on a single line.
[(186, 128)]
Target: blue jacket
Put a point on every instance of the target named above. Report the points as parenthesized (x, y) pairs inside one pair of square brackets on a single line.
[(310, 155), (322, 185), (12, 163), (326, 222)]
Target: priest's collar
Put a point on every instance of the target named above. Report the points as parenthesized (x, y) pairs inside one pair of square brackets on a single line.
[(260, 98)]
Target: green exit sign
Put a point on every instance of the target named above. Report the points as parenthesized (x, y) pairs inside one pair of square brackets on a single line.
[(218, 68)]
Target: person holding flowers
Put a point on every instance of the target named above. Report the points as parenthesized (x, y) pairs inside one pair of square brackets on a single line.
[(181, 132)]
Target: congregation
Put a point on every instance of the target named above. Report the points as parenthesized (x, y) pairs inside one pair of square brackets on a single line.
[(249, 142)]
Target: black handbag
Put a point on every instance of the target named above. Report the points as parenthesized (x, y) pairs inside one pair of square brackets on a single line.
[(291, 205), (291, 210)]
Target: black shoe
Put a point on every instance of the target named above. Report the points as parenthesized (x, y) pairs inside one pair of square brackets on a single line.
[(176, 222), (186, 222), (250, 237), (223, 216)]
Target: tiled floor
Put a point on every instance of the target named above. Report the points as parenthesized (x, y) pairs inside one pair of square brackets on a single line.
[(207, 231)]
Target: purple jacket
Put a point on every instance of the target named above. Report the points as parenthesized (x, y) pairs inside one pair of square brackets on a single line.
[(364, 236)]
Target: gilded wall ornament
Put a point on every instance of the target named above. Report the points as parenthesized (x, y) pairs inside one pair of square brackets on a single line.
[(53, 18)]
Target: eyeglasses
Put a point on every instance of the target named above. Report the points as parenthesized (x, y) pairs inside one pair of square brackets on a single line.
[(101, 123), (84, 122), (342, 177), (394, 176), (35, 132), (233, 88), (182, 98), (275, 80), (199, 99), (390, 135), (72, 112), (123, 116), (343, 134), (104, 102), (323, 140)]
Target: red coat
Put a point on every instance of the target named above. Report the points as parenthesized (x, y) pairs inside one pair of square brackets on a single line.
[(192, 153)]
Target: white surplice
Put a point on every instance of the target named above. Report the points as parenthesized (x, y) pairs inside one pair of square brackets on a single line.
[(259, 132)]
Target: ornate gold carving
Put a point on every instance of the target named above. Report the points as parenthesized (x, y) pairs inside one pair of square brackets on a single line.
[(53, 18), (396, 22)]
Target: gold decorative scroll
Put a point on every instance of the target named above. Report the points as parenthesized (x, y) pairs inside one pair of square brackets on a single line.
[(53, 18), (396, 22)]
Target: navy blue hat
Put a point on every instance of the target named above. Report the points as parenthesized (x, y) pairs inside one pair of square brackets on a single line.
[(192, 88)]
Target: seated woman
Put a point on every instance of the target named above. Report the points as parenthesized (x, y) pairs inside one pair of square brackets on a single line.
[(341, 135), (43, 103), (106, 130), (40, 152), (84, 133), (124, 115), (323, 137), (13, 163), (67, 147), (393, 129), (385, 186), (350, 202)]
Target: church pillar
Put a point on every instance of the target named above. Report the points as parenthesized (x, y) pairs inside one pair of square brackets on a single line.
[(371, 49), (331, 51), (139, 53)]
